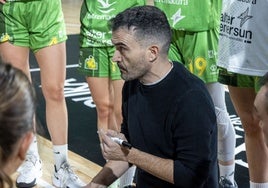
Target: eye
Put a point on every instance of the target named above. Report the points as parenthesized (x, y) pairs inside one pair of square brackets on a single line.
[(122, 48)]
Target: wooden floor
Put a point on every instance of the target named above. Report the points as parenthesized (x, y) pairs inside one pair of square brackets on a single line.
[(84, 168)]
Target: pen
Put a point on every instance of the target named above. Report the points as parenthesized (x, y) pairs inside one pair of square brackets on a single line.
[(121, 142)]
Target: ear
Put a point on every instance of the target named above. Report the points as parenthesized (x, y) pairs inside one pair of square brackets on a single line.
[(153, 52), (25, 143)]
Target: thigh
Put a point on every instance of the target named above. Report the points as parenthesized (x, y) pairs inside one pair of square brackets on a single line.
[(117, 87), (243, 101), (16, 55), (52, 63), (100, 90)]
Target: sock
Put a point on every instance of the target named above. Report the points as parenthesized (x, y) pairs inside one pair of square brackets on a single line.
[(258, 185), (227, 172), (127, 177), (33, 148), (60, 154)]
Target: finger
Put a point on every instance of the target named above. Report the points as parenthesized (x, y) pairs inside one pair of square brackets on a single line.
[(106, 139), (103, 151), (101, 134)]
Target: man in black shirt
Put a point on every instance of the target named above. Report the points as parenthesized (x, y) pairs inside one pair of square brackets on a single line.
[(168, 115)]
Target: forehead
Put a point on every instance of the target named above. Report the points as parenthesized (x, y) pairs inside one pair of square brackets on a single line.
[(123, 35)]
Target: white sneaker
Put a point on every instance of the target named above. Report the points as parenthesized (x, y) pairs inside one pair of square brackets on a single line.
[(66, 178), (29, 172)]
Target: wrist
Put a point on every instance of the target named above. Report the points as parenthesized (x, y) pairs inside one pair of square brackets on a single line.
[(130, 158)]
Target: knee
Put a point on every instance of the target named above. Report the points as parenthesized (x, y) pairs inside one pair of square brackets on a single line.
[(104, 109), (53, 93), (225, 127), (250, 125)]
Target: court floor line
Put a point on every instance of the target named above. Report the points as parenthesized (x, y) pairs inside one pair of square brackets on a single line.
[(67, 66)]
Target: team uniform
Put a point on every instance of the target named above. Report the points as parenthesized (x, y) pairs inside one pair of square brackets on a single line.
[(243, 42), (34, 24), (169, 131), (195, 36), (96, 48)]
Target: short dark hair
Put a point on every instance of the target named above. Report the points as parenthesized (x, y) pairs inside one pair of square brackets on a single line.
[(149, 23)]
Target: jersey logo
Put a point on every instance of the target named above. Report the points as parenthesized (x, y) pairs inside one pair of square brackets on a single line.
[(177, 17), (53, 41), (5, 37), (90, 63), (105, 6), (244, 16)]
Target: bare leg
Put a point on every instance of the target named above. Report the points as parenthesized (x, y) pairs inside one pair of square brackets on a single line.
[(256, 151), (52, 62), (16, 55), (117, 87), (107, 98)]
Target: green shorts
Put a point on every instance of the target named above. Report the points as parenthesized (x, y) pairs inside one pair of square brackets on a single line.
[(239, 80), (97, 62), (197, 51), (34, 23)]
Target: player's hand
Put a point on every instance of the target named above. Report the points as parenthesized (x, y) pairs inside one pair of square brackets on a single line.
[(3, 1)]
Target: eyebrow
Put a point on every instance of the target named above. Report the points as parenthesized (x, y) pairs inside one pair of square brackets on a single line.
[(119, 44)]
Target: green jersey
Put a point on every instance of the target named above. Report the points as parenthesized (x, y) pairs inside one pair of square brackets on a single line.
[(191, 15), (95, 16)]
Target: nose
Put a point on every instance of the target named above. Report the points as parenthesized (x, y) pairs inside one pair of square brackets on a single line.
[(116, 57)]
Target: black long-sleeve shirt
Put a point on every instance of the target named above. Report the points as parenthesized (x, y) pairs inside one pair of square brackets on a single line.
[(173, 119)]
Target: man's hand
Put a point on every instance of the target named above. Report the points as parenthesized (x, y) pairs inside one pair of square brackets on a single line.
[(3, 1), (110, 149)]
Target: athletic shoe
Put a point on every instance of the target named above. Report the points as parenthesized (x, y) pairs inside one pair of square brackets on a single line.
[(29, 172), (225, 183), (66, 178)]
